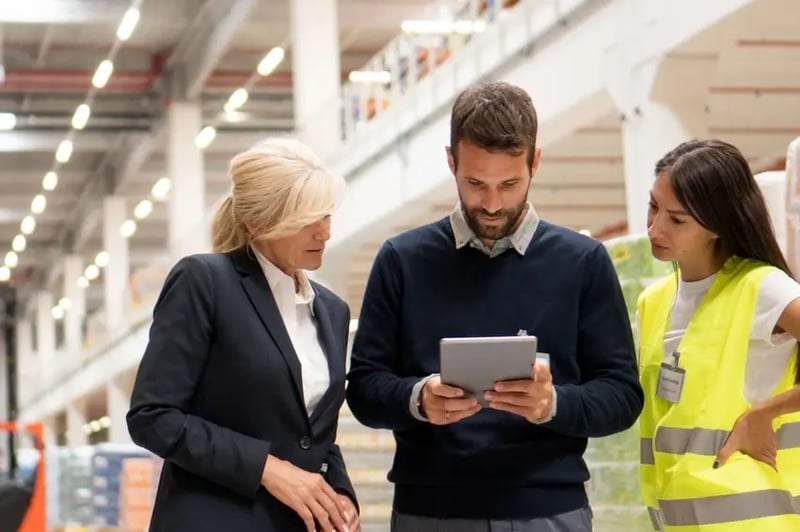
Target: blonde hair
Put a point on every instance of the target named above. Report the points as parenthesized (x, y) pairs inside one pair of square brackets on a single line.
[(279, 187)]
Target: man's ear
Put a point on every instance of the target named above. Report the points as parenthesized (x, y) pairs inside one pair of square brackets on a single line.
[(451, 160), (537, 156)]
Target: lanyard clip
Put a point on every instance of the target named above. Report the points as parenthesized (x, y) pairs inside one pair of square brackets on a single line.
[(676, 355)]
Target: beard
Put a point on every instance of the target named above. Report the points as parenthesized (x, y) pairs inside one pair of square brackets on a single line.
[(505, 220)]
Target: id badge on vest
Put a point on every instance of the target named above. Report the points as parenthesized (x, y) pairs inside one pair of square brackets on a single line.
[(670, 380)]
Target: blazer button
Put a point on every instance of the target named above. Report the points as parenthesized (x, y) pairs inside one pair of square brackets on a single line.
[(305, 443)]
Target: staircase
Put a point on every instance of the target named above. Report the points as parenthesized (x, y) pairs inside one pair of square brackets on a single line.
[(368, 454)]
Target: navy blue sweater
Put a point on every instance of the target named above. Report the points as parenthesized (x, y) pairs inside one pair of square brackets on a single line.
[(494, 465)]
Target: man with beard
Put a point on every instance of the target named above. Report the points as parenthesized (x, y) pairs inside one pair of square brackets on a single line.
[(493, 268)]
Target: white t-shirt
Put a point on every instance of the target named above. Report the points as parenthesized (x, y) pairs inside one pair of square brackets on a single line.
[(768, 354)]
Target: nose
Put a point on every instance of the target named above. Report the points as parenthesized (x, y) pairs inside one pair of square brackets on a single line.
[(653, 226), (492, 202), (323, 233)]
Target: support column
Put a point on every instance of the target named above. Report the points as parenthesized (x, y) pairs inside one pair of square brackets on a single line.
[(316, 69), (76, 420), (45, 330), (115, 275), (27, 365), (118, 400), (73, 318), (189, 229), (658, 112)]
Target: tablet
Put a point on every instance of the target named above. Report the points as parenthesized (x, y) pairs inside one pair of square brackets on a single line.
[(475, 364)]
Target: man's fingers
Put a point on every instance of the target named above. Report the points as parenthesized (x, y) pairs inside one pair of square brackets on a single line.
[(443, 390), (512, 398), (454, 417), (507, 407), (541, 373)]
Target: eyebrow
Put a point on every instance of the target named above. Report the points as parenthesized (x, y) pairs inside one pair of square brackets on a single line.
[(671, 211)]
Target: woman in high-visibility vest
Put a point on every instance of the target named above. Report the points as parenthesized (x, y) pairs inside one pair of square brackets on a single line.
[(720, 432)]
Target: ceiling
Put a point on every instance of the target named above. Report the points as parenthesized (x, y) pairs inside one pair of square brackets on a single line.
[(50, 50), (752, 101)]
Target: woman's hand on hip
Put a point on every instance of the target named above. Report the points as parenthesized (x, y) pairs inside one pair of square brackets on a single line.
[(306, 493), (752, 435)]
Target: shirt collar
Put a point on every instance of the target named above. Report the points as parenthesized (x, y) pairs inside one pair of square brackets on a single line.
[(519, 239), (278, 282)]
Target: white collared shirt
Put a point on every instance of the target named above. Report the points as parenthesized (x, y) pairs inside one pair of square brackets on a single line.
[(297, 311)]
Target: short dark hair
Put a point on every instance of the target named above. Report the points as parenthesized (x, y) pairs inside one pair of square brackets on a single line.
[(713, 182), (495, 116)]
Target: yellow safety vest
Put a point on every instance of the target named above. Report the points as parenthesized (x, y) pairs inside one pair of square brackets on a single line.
[(680, 441)]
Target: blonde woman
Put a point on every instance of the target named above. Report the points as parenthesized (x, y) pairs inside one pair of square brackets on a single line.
[(241, 383)]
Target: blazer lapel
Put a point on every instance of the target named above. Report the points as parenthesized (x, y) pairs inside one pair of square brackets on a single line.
[(327, 340), (262, 299)]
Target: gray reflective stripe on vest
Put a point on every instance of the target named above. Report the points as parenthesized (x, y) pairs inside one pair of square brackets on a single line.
[(707, 442), (646, 456), (728, 508), (655, 518)]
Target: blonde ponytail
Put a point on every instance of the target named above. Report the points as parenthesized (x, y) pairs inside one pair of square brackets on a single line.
[(227, 233)]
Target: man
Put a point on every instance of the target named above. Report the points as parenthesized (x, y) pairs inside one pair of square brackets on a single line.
[(493, 268)]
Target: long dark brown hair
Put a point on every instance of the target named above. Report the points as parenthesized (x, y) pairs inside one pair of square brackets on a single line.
[(713, 182)]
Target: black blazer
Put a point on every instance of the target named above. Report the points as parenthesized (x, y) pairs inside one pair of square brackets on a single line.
[(219, 388)]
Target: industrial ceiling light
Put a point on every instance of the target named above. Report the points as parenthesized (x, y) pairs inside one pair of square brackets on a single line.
[(370, 76), (83, 282), (5, 274), (236, 100), (127, 228), (101, 259), (102, 74), (161, 189), (8, 121), (19, 243), (38, 204), (143, 209), (442, 27), (271, 61), (128, 24), (12, 259), (28, 225), (50, 181), (91, 272), (206, 136), (64, 151), (81, 116)]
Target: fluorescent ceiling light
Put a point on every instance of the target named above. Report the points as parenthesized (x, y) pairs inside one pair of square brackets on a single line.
[(81, 116), (102, 74), (101, 259), (12, 259), (28, 225), (5, 274), (57, 313), (442, 27), (236, 100), (127, 228), (65, 303), (64, 151), (38, 204), (143, 209), (128, 24), (50, 181), (19, 243), (91, 272), (370, 76), (271, 61), (161, 189), (83, 282), (8, 121), (206, 136)]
